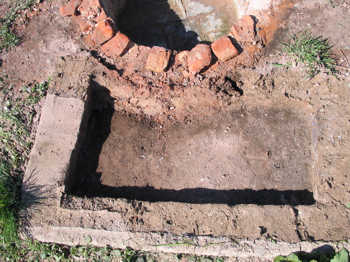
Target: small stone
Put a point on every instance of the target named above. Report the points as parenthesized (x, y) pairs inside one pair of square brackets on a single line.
[(95, 3), (66, 10), (244, 29), (116, 46), (103, 32), (89, 41), (83, 24), (181, 57), (199, 58), (89, 7), (140, 259), (70, 8), (158, 59), (263, 36), (84, 8), (224, 49), (102, 16)]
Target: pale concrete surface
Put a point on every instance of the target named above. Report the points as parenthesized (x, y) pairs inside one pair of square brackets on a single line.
[(56, 138), (257, 250)]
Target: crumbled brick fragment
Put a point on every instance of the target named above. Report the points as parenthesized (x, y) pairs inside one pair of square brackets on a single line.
[(244, 29), (70, 8), (224, 49), (116, 46), (103, 32), (199, 58)]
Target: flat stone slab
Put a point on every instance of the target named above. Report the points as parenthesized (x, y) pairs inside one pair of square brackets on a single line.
[(257, 250), (56, 139)]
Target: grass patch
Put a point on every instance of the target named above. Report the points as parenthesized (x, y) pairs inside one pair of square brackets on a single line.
[(16, 119), (313, 52), (8, 38), (37, 251), (8, 226), (204, 259)]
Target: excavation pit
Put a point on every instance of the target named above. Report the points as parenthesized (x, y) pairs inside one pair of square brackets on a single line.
[(261, 156), (125, 181), (257, 157)]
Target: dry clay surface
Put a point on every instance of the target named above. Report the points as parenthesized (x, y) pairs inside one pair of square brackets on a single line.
[(51, 48)]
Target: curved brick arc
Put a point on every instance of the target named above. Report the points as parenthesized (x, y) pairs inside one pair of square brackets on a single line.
[(96, 20)]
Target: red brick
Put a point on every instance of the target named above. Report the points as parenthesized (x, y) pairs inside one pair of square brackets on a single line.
[(244, 29), (82, 23), (116, 46), (199, 58), (103, 32), (224, 49), (70, 8), (158, 59)]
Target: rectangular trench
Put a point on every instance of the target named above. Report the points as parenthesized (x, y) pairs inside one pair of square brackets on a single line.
[(261, 156)]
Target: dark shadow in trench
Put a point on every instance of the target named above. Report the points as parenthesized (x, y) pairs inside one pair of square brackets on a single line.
[(93, 132), (154, 23), (202, 195), (83, 179)]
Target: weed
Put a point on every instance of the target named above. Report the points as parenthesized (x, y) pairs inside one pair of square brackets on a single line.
[(38, 251), (15, 127), (14, 131), (7, 37), (128, 255), (8, 223), (8, 227), (348, 205), (36, 92), (200, 258), (313, 52), (278, 65), (341, 256)]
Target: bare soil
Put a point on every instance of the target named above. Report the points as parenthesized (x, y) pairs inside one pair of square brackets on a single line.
[(258, 155), (164, 117)]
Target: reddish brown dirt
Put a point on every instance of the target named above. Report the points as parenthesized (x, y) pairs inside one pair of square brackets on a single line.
[(266, 148)]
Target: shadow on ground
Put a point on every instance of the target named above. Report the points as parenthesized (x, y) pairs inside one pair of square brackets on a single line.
[(154, 23)]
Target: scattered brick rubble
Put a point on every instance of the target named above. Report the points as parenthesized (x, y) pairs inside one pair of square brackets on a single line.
[(100, 33)]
